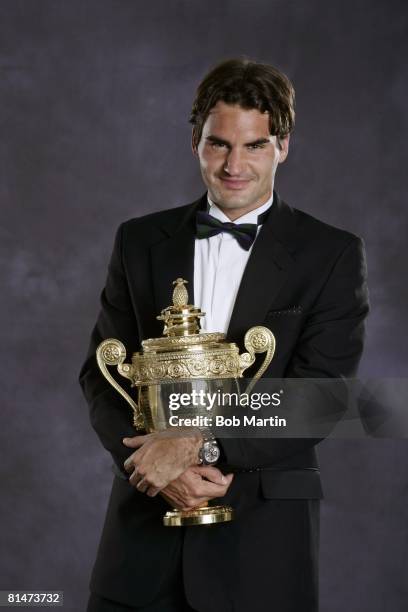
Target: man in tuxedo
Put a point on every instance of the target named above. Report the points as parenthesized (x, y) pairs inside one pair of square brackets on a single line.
[(282, 268)]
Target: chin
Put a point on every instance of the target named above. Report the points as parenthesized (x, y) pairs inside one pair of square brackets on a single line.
[(232, 204), (231, 200), (235, 202)]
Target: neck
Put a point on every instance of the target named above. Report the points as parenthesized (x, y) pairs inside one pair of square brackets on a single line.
[(235, 213)]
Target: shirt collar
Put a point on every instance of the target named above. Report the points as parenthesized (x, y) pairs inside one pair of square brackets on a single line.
[(251, 217)]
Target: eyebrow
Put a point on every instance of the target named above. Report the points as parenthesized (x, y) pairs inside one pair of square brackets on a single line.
[(216, 140)]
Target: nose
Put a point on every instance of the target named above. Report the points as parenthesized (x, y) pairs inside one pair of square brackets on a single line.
[(234, 163)]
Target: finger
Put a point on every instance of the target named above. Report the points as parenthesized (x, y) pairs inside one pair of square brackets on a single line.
[(174, 502), (168, 499), (208, 489), (196, 502), (134, 442), (212, 474), (128, 465), (211, 489), (142, 485), (135, 477), (153, 491), (175, 495)]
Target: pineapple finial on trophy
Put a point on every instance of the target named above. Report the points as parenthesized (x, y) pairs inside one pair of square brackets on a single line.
[(180, 293), (181, 318)]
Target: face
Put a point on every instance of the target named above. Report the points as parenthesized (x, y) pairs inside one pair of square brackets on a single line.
[(238, 158)]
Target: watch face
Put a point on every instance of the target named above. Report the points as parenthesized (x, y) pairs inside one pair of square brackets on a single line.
[(211, 452)]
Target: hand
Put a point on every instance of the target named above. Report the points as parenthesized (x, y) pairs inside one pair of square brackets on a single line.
[(196, 486), (161, 457)]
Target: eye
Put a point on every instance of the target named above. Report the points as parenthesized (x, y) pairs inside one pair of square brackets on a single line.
[(254, 147), (217, 145)]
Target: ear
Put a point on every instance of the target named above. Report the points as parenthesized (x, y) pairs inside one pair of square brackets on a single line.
[(193, 145), (283, 144)]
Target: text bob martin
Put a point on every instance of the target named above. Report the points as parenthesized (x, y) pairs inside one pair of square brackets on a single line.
[(222, 421)]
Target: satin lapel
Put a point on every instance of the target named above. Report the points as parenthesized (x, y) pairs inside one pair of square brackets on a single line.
[(174, 257), (267, 269)]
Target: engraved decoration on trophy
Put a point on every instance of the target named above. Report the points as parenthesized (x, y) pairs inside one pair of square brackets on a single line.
[(180, 361)]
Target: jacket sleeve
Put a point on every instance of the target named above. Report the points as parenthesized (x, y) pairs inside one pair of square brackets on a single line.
[(329, 346), (110, 415)]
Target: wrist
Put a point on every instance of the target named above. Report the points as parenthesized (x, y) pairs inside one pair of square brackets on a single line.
[(196, 444)]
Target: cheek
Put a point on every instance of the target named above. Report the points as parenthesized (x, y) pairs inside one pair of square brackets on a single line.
[(266, 168), (208, 163)]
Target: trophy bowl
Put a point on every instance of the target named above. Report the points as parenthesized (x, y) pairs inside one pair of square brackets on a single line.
[(183, 361)]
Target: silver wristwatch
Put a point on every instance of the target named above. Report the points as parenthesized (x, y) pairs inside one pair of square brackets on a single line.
[(209, 453)]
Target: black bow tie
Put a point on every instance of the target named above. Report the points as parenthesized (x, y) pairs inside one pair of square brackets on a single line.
[(244, 233)]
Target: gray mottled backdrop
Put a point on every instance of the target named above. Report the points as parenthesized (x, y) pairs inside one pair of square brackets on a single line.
[(94, 100)]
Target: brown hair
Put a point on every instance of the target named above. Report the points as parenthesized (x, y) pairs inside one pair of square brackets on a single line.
[(250, 85)]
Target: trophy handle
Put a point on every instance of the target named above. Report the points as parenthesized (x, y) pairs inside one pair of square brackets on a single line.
[(258, 339), (112, 352)]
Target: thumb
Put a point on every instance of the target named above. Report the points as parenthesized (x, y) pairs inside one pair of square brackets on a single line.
[(213, 474), (134, 442)]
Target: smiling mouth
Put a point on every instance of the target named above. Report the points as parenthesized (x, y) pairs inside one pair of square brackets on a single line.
[(235, 184)]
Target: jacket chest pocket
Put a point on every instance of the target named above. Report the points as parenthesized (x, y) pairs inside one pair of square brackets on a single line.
[(286, 326)]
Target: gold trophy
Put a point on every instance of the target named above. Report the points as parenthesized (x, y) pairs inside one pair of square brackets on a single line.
[(183, 360)]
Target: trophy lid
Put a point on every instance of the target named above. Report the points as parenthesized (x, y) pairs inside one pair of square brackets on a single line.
[(182, 318), (181, 324)]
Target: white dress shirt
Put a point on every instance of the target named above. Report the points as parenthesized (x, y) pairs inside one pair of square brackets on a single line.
[(219, 263)]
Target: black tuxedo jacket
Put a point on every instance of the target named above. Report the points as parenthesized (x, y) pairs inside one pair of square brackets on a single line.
[(306, 281)]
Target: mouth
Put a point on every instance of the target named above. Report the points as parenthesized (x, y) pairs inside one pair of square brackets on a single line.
[(234, 183)]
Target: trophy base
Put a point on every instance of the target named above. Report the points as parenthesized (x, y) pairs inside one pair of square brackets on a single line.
[(206, 515)]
